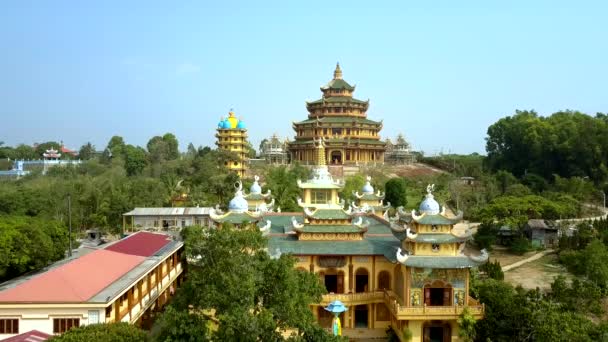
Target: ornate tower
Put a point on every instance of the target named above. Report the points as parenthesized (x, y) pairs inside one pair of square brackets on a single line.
[(342, 121), (232, 136)]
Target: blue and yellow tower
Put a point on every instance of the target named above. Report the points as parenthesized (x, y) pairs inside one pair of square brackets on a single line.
[(232, 136)]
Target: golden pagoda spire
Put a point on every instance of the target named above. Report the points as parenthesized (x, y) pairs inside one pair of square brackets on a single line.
[(321, 153), (338, 72)]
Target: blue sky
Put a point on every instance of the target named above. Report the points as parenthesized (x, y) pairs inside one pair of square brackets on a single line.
[(438, 71)]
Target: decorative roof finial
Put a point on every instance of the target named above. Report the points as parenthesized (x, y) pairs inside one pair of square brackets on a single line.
[(430, 188), (338, 72), (321, 152)]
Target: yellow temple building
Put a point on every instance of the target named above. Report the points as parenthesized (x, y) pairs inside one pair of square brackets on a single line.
[(407, 272), (232, 136), (341, 120)]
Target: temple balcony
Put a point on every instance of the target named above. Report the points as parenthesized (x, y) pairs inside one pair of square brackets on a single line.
[(402, 312)]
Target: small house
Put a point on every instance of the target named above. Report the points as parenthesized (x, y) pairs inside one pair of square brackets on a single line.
[(541, 234)]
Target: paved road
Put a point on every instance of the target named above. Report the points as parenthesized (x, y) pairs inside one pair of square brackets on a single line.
[(527, 260)]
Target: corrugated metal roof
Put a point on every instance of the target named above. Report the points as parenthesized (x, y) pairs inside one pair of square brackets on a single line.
[(177, 211)]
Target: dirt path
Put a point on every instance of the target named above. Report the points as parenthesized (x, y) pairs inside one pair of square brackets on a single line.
[(525, 261)]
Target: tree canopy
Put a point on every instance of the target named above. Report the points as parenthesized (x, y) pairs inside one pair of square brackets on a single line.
[(114, 332), (249, 295), (567, 144)]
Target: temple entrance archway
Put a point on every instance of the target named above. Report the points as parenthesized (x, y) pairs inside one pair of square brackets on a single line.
[(361, 316), (436, 331), (333, 280), (361, 280), (336, 157), (438, 293)]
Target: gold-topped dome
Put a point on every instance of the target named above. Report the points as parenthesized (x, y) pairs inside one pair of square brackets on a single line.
[(232, 119)]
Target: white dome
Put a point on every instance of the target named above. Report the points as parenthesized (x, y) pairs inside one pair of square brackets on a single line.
[(368, 188), (255, 187), (429, 206), (238, 204)]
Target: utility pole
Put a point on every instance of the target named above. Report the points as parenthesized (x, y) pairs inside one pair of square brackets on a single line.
[(70, 224)]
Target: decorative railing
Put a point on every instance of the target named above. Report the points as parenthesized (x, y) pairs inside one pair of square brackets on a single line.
[(350, 298), (399, 310)]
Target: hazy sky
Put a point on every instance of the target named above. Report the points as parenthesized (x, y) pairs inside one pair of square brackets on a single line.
[(438, 71)]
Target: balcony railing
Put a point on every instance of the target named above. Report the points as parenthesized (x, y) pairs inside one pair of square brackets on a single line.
[(438, 312), (354, 298)]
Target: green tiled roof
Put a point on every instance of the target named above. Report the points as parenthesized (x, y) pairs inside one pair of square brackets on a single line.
[(340, 119), (337, 99), (238, 218), (377, 241), (439, 238), (330, 214), (436, 219), (441, 262), (317, 228), (338, 84)]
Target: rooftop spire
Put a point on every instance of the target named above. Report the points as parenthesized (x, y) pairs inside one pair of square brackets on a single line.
[(338, 72), (321, 153)]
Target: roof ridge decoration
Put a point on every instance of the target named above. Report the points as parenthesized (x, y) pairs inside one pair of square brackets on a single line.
[(266, 228), (483, 257), (296, 224), (402, 258)]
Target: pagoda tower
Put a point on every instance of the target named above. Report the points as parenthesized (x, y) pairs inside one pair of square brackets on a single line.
[(369, 201), (324, 215), (341, 120), (232, 136)]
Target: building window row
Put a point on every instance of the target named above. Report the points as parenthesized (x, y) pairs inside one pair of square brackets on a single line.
[(9, 326), (61, 325)]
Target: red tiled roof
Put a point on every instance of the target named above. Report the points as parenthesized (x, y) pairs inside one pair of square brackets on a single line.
[(141, 243), (75, 281), (30, 336)]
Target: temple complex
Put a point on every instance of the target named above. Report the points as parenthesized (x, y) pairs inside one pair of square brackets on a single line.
[(407, 272), (399, 152), (340, 119), (232, 136), (275, 151)]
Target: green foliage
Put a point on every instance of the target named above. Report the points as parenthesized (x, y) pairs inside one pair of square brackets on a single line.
[(114, 332), (282, 182), (520, 245), (493, 270), (181, 326), (466, 325), (590, 262), (135, 160), (518, 210), (568, 144), (257, 297), (28, 244), (86, 152), (396, 192), (485, 236), (579, 295), (352, 184), (505, 179)]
